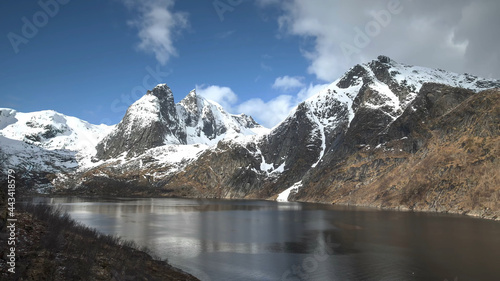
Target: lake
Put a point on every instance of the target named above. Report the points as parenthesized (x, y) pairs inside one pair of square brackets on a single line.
[(262, 240)]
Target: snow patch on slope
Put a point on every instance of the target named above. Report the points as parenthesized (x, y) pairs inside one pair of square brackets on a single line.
[(417, 75), (268, 168), (321, 131), (283, 196), (145, 110), (15, 154)]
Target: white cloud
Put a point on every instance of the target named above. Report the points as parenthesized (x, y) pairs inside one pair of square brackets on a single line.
[(287, 83), (221, 95), (456, 35), (157, 25), (268, 113), (272, 112), (310, 91), (265, 66)]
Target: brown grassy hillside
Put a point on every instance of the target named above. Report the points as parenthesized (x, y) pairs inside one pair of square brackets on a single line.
[(455, 170)]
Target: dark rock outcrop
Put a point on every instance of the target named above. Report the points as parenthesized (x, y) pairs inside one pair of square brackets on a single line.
[(148, 123)]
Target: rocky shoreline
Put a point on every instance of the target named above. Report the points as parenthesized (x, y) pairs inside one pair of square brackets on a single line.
[(485, 214), (481, 214)]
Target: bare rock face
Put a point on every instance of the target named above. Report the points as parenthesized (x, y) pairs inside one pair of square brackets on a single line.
[(384, 59), (150, 122), (433, 101), (281, 146)]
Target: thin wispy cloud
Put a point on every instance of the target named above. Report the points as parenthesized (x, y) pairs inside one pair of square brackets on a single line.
[(221, 95), (265, 66), (224, 35), (287, 83), (158, 25)]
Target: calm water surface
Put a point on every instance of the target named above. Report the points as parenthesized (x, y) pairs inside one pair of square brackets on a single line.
[(260, 240)]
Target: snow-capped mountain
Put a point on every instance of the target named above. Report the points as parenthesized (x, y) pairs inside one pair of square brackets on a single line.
[(359, 105), (384, 85), (46, 142), (155, 120), (381, 85), (206, 122), (361, 110), (154, 132), (195, 148), (51, 130)]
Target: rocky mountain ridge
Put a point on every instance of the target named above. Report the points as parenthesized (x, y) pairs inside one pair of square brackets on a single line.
[(155, 120), (440, 155), (354, 142)]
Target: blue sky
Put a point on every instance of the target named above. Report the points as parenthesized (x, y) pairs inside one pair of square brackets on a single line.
[(91, 59)]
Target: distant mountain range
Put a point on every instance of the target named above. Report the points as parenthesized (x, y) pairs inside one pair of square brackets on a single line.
[(384, 134)]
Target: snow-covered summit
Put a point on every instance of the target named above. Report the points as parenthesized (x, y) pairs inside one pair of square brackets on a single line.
[(45, 142), (206, 122), (382, 84), (155, 120), (51, 130), (374, 93)]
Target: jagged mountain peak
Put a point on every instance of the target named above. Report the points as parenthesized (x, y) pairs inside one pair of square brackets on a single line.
[(161, 90), (207, 122), (384, 59), (149, 122), (247, 121), (361, 104), (191, 98), (162, 93), (389, 71), (387, 85), (192, 103), (155, 120)]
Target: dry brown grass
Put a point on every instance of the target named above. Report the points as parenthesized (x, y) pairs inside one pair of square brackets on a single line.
[(457, 169)]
